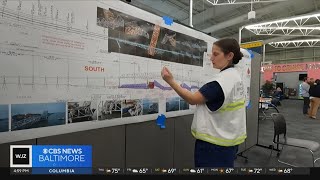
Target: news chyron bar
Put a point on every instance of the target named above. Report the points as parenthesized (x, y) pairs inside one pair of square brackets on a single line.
[(77, 160), (50, 159)]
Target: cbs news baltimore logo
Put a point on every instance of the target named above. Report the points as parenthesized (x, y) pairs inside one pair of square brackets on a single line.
[(52, 159)]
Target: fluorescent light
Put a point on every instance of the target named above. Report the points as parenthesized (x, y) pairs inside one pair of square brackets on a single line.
[(297, 41), (285, 20), (280, 28), (231, 2)]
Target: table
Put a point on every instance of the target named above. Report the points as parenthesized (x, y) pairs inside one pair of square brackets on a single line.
[(266, 108)]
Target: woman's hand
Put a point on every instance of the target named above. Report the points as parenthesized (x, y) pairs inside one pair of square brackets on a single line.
[(166, 75)]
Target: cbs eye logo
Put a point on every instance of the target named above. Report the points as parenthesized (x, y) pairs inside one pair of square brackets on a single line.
[(20, 155)]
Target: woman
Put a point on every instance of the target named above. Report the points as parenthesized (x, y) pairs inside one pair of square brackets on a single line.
[(219, 123)]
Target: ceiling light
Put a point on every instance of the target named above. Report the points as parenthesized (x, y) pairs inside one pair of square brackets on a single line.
[(283, 22), (231, 2), (296, 43)]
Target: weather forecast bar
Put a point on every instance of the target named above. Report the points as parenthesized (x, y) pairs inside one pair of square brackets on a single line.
[(203, 171), (163, 171)]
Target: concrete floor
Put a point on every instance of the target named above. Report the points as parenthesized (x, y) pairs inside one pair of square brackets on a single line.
[(298, 126)]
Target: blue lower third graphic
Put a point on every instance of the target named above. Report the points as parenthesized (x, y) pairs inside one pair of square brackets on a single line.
[(64, 159)]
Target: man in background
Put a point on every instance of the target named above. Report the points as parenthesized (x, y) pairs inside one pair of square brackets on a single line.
[(304, 86), (314, 99)]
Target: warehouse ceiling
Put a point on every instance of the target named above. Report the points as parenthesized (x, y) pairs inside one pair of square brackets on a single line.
[(225, 20)]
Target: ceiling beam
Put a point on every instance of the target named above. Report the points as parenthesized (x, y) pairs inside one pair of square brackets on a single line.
[(148, 8), (165, 7), (260, 12), (276, 39), (209, 13), (185, 8)]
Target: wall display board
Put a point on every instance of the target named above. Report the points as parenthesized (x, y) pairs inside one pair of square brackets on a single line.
[(70, 66)]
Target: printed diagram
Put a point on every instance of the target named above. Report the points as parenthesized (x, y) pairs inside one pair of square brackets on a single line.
[(81, 111), (109, 109), (26, 116), (66, 62), (111, 106), (4, 118), (109, 20), (176, 104), (74, 64), (131, 108), (244, 68), (50, 51), (134, 36), (59, 56), (170, 38), (150, 106), (132, 28)]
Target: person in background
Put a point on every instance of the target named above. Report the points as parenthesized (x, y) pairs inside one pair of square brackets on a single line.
[(311, 81), (277, 97), (219, 122), (279, 89), (314, 99), (278, 93), (305, 94)]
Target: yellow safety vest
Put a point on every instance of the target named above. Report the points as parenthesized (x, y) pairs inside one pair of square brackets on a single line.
[(227, 125)]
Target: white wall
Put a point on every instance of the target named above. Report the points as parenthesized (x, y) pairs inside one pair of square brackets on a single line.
[(290, 80), (297, 55)]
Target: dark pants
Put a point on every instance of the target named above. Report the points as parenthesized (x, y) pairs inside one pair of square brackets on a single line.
[(306, 102), (211, 155)]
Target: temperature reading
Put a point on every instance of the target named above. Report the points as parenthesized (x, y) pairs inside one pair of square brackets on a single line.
[(172, 170), (257, 170), (229, 170), (287, 170), (115, 170), (200, 171), (143, 170)]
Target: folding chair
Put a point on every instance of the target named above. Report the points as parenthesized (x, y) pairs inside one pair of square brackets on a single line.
[(281, 128)]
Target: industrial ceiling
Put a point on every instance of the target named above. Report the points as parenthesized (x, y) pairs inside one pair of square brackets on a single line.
[(223, 18)]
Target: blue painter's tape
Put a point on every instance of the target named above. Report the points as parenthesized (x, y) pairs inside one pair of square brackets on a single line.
[(251, 54), (249, 105), (161, 120), (167, 20)]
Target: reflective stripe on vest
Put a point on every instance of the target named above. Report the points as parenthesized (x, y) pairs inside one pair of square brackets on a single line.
[(233, 106), (219, 141)]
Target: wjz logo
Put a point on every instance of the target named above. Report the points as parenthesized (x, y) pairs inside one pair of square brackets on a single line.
[(20, 156)]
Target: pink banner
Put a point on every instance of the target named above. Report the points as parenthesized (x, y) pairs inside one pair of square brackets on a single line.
[(314, 73), (291, 67), (312, 68), (267, 76)]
